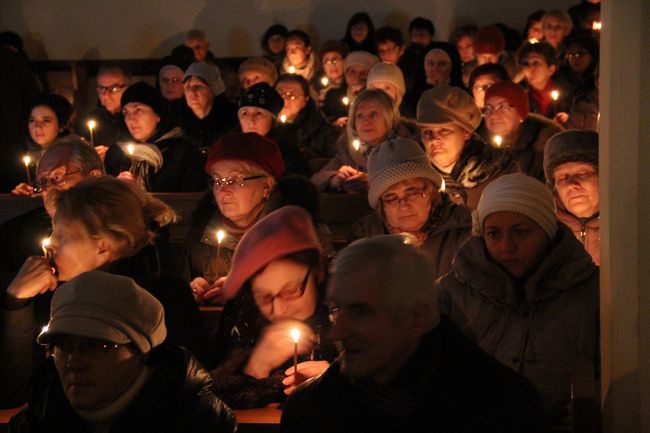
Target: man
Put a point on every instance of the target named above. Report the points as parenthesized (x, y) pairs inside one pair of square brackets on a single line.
[(198, 42), (110, 370), (299, 58), (390, 44), (402, 366), (112, 80), (422, 32), (571, 168)]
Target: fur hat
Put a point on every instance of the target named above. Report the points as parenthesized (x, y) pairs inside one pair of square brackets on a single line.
[(362, 58), (262, 95), (388, 73), (285, 231), (208, 73), (518, 193), (511, 92), (396, 160), (489, 40), (247, 146), (446, 104), (106, 307), (261, 65), (570, 146), (145, 94)]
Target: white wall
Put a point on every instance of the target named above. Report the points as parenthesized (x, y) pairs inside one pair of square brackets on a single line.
[(91, 29)]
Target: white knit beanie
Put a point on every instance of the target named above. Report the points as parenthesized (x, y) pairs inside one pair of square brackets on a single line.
[(362, 58), (387, 73), (517, 193), (396, 160)]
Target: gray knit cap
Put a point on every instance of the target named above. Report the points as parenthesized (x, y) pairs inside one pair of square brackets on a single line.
[(517, 193), (445, 104), (396, 160), (388, 73), (208, 73), (570, 146)]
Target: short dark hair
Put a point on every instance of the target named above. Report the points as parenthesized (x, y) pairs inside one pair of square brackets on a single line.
[(424, 24), (114, 67), (294, 78), (389, 34), (542, 48), (299, 34), (495, 69), (462, 31)]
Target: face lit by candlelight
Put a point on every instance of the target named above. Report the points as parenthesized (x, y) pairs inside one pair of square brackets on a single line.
[(333, 65), (481, 84), (295, 99), (465, 46), (110, 87), (171, 83), (388, 88), (501, 118), (437, 67), (537, 71), (296, 51), (370, 123), (444, 144), (252, 77), (198, 96), (355, 78), (253, 119), (141, 120), (407, 204), (43, 125), (576, 184)]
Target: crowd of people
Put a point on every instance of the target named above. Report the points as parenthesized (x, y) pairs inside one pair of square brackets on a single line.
[(466, 300)]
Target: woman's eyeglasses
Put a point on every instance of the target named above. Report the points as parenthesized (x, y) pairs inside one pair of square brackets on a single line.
[(286, 294), (235, 181)]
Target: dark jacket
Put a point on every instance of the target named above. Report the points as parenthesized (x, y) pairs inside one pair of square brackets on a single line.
[(176, 398), (528, 150), (333, 106), (181, 170), (20, 355), (541, 327), (585, 112), (109, 130), (204, 132), (21, 237), (448, 227), (449, 385)]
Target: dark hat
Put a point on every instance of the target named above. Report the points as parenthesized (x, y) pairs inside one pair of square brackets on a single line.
[(489, 40), (57, 103), (332, 46), (176, 61), (570, 146), (247, 146), (511, 92), (262, 95), (145, 94)]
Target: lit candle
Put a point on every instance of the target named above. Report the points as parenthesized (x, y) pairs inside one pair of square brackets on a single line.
[(345, 100), (27, 160), (295, 336), (356, 144), (45, 243), (533, 41), (292, 69), (325, 81), (130, 148), (443, 187), (283, 118), (220, 235), (555, 95), (596, 26), (498, 140), (91, 127)]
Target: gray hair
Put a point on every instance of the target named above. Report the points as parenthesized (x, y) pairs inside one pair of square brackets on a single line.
[(76, 151), (403, 273), (196, 34)]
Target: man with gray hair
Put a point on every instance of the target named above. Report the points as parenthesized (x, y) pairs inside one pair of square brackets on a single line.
[(402, 366)]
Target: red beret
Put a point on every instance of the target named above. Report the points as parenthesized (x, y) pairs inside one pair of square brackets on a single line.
[(489, 40), (247, 146), (511, 92), (285, 231)]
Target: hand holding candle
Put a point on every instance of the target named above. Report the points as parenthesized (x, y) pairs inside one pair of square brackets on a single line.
[(45, 243), (91, 127), (27, 160), (295, 337)]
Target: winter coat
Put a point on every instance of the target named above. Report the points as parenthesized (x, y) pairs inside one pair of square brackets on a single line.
[(110, 128), (20, 355), (240, 327), (21, 237), (585, 112), (310, 132), (448, 227), (175, 398), (182, 164), (307, 71), (333, 106), (449, 386), (586, 230), (479, 164), (540, 327), (221, 119)]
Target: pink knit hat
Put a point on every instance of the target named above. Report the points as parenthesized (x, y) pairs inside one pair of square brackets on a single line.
[(247, 146), (511, 92), (285, 231)]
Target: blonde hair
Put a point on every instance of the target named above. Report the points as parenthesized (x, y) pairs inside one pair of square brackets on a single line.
[(389, 110), (561, 16), (119, 209)]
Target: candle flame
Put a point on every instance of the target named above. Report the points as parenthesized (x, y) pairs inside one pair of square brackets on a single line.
[(220, 235), (45, 329), (283, 118), (91, 124), (27, 160), (555, 95), (596, 25), (498, 140), (356, 144), (292, 69), (130, 148), (533, 41), (345, 100), (45, 243), (295, 335), (443, 186), (325, 81)]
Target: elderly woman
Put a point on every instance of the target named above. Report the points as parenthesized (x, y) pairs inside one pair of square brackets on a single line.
[(404, 194), (275, 288), (373, 119), (171, 70), (512, 127), (556, 25), (158, 157), (257, 70), (526, 290), (209, 114), (102, 223), (447, 117), (389, 78)]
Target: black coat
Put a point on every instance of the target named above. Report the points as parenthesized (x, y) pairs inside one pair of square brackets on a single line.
[(21, 237), (176, 398), (204, 132), (109, 130), (449, 385)]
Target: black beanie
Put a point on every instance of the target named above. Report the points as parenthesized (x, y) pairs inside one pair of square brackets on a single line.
[(262, 95), (145, 94)]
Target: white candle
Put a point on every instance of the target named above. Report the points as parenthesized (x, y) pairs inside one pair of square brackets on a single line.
[(283, 118), (45, 243), (597, 26), (91, 126), (325, 81), (356, 144), (345, 100), (442, 186), (533, 41), (27, 160), (555, 95), (295, 336), (498, 140), (130, 148), (220, 235)]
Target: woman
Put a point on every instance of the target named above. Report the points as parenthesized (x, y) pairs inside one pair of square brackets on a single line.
[(442, 65), (360, 33), (331, 55), (209, 114), (389, 78), (273, 43), (170, 84), (107, 224), (525, 289), (521, 133), (276, 284), (481, 78), (159, 157), (556, 25), (48, 120), (373, 119), (404, 194)]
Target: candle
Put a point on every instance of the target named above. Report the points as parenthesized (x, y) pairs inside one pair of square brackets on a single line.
[(27, 160), (292, 69), (443, 187), (555, 95), (45, 243), (498, 140), (130, 148), (345, 100), (356, 144), (596, 26), (283, 118), (295, 336), (220, 235), (91, 126), (325, 81), (533, 41)]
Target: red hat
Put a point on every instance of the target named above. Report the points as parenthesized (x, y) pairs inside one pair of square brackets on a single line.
[(285, 231), (511, 92), (247, 146), (489, 40)]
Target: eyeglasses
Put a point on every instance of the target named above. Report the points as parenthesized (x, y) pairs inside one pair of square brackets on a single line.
[(43, 183), (290, 95), (92, 349), (286, 294), (482, 88), (331, 61), (235, 181), (410, 197), (576, 55), (113, 88), (503, 107)]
